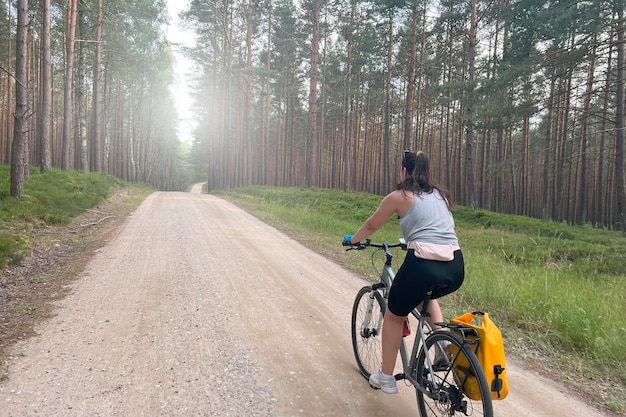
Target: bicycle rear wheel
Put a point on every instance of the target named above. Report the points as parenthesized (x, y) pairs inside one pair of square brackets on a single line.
[(367, 319), (457, 386)]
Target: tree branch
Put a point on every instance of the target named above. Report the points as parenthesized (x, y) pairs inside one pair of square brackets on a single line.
[(12, 76)]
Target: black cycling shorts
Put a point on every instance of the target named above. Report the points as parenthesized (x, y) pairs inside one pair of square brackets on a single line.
[(417, 276)]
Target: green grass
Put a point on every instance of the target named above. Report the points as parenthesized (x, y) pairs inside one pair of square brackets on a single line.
[(556, 291), (50, 199)]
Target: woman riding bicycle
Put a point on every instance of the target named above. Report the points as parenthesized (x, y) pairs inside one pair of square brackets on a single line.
[(433, 262)]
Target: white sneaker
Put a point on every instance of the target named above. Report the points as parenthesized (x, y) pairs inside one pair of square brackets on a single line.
[(386, 383)]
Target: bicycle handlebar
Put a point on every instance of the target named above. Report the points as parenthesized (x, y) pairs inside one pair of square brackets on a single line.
[(368, 243)]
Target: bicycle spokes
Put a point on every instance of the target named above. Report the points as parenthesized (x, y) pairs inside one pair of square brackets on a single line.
[(367, 318), (444, 369)]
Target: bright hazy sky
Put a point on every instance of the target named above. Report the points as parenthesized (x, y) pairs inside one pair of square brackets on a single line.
[(182, 68)]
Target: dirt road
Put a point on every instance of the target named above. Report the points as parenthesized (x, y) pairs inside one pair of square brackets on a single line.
[(196, 308)]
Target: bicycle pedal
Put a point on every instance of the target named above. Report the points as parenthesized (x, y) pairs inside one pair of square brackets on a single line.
[(374, 387)]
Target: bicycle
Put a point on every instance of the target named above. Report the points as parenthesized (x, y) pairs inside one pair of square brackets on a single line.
[(442, 364)]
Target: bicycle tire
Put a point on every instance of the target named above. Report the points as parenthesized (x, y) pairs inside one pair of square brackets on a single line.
[(367, 341), (455, 373)]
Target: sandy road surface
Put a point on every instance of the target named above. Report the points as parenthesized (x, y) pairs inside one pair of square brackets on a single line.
[(195, 308)]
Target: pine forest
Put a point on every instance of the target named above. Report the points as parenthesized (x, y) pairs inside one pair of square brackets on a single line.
[(519, 104)]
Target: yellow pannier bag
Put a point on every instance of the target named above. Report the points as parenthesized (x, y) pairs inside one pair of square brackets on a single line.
[(485, 339)]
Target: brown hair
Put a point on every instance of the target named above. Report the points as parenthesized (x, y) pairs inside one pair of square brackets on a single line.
[(418, 179)]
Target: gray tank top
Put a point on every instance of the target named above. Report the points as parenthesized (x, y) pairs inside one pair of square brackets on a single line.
[(429, 220)]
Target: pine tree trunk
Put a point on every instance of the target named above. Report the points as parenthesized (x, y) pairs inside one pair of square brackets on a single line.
[(619, 123), (525, 178), (347, 99), (600, 206), (45, 121), (387, 133), (583, 180), (67, 92), (248, 97), (7, 126), (469, 114), (81, 123), (20, 125), (409, 105), (96, 159), (310, 157)]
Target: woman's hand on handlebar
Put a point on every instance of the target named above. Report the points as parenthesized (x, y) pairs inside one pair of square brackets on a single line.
[(346, 240), (359, 245)]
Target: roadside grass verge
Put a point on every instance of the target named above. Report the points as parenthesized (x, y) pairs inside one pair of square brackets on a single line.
[(557, 292), (50, 199)]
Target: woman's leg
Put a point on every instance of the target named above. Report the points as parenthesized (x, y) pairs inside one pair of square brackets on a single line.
[(434, 314), (392, 336)]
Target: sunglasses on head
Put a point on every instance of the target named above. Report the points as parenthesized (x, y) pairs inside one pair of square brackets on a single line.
[(405, 153)]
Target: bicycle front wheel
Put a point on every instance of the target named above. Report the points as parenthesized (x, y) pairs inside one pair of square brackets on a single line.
[(453, 378), (367, 321)]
